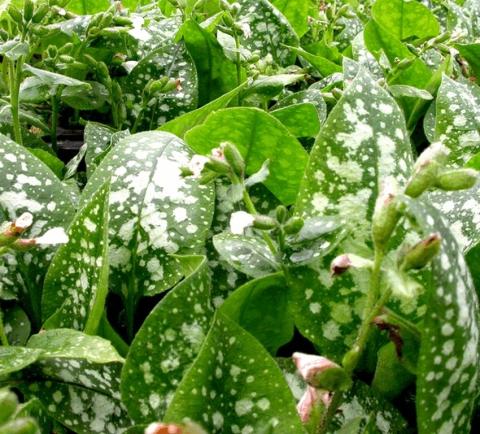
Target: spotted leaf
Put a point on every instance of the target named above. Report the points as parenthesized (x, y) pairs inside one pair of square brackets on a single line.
[(167, 344), (259, 137), (151, 111), (457, 118), (234, 385), (28, 185), (247, 254), (362, 143), (301, 119), (272, 325), (154, 211), (98, 138), (76, 283), (266, 30), (308, 96), (13, 359), (297, 13), (447, 370)]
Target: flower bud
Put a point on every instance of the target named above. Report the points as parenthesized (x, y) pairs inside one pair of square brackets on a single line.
[(14, 229), (218, 166), (309, 404), (293, 226), (385, 215), (405, 63), (343, 263), (14, 13), (264, 222), (234, 158), (457, 179), (422, 253), (281, 213), (24, 425), (103, 72), (28, 8), (426, 169), (156, 86)]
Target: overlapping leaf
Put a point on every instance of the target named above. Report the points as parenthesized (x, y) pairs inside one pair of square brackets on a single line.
[(77, 279), (234, 385), (154, 211), (258, 136), (447, 371), (362, 143), (167, 344), (26, 184)]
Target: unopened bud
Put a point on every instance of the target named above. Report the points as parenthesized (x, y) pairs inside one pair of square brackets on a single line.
[(234, 158), (28, 8), (337, 93), (422, 253), (14, 13), (264, 222), (102, 71), (344, 262), (40, 13), (426, 169), (119, 58), (24, 425), (156, 86), (218, 166), (8, 404), (385, 215), (405, 63), (457, 179), (52, 51), (293, 225), (281, 213)]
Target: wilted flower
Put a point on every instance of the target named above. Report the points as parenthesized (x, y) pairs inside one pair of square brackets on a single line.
[(343, 262), (239, 221)]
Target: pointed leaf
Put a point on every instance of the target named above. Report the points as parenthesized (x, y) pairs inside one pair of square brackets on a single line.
[(296, 12), (13, 359), (146, 181), (258, 136), (77, 280), (249, 255), (300, 119), (447, 371), (234, 383), (167, 344)]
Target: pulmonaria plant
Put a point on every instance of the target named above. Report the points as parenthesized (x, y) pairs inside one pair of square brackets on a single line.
[(259, 216)]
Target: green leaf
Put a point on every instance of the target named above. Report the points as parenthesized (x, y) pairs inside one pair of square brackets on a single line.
[(54, 79), (457, 121), (271, 324), (296, 12), (146, 182), (182, 124), (234, 383), (76, 283), (323, 65), (16, 324), (248, 255), (167, 343), (217, 75), (402, 90), (447, 371), (80, 98), (258, 136), (269, 31), (54, 164), (84, 7), (471, 53), (13, 359), (264, 88), (77, 379), (14, 49), (172, 61), (405, 19), (310, 96), (362, 143), (98, 138), (27, 184), (301, 119)]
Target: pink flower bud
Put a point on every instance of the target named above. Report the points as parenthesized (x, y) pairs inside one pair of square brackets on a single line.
[(309, 400), (310, 365), (340, 264)]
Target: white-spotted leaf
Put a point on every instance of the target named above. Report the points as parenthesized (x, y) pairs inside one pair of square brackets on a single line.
[(234, 385)]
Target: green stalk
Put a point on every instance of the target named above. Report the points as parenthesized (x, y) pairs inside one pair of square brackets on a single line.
[(238, 63), (54, 127), (15, 74), (96, 314), (3, 336)]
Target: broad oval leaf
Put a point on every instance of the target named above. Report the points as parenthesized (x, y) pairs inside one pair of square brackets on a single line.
[(301, 119), (259, 137), (447, 370), (13, 359), (26, 184), (167, 343), (154, 211), (77, 279), (297, 13), (234, 385)]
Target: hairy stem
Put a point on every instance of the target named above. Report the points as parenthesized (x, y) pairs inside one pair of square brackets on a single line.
[(3, 336), (15, 74)]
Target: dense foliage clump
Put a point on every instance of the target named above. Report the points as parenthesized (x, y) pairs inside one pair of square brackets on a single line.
[(258, 216)]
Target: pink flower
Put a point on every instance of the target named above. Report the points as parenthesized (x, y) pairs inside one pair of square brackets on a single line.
[(309, 400), (310, 365)]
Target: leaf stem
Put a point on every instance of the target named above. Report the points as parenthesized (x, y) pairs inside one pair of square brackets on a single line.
[(15, 73), (3, 336), (238, 63), (252, 210), (54, 126)]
